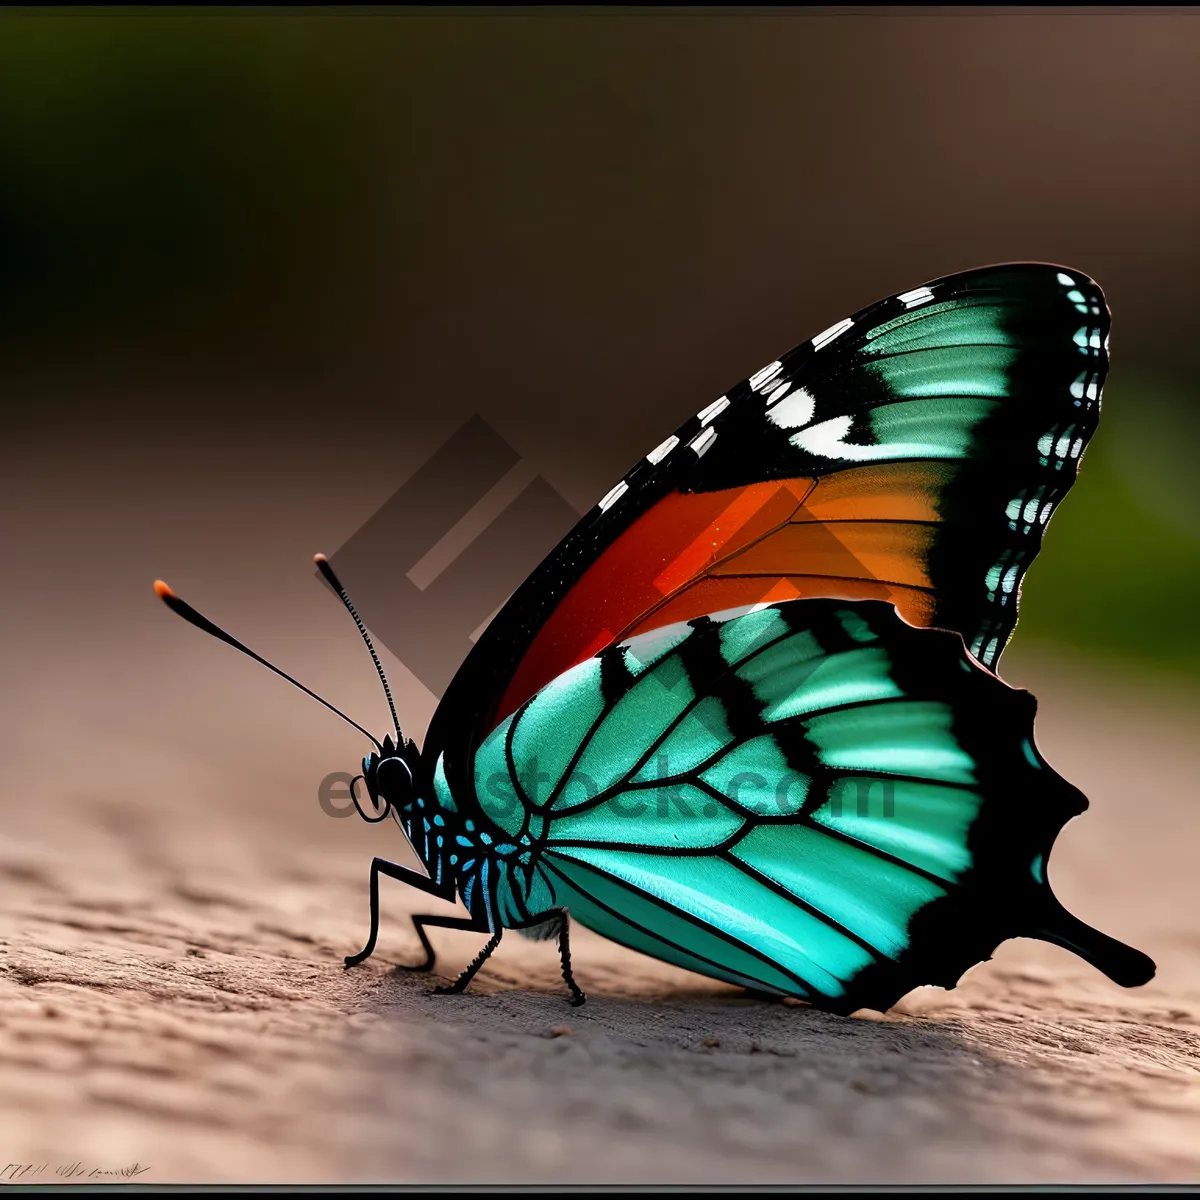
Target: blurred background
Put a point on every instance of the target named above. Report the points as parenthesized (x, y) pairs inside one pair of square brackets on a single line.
[(229, 240), (257, 266)]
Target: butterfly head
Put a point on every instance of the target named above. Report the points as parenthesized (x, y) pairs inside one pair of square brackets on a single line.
[(389, 776)]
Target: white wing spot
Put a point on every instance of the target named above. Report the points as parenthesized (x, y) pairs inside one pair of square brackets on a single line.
[(660, 452), (701, 442), (765, 375), (823, 339), (1065, 280), (826, 439), (713, 410), (921, 295), (778, 393), (614, 496), (793, 411)]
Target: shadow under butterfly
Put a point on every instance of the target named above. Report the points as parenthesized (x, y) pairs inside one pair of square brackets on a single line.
[(744, 717)]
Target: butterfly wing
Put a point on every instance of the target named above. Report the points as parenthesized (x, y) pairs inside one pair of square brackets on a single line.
[(814, 799), (912, 453)]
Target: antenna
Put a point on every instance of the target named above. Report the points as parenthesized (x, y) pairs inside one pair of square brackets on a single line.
[(335, 583), (189, 614)]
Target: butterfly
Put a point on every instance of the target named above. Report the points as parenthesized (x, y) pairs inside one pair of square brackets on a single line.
[(745, 717)]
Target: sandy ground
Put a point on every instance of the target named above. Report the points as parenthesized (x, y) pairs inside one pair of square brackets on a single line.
[(172, 996)]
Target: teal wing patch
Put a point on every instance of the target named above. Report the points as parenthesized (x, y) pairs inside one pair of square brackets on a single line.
[(811, 798)]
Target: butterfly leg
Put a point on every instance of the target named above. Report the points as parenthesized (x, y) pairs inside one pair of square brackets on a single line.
[(561, 918), (461, 982), (381, 866), (564, 950), (423, 920)]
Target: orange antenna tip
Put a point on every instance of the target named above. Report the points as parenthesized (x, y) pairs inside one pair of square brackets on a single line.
[(162, 590), (319, 558)]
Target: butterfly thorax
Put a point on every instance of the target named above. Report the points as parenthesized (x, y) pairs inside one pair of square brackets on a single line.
[(467, 851), (489, 849)]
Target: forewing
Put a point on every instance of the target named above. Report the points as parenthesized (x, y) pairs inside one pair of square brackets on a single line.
[(912, 453)]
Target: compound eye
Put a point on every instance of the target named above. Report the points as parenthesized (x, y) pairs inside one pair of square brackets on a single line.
[(393, 779)]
